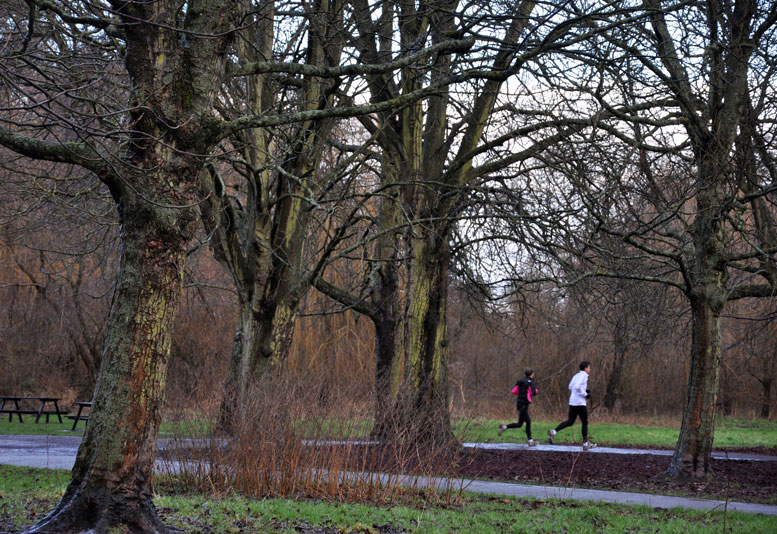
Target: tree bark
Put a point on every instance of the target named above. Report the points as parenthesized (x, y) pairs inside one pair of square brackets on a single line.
[(766, 398), (386, 310), (693, 452), (111, 480), (155, 186), (621, 346), (426, 395), (268, 263)]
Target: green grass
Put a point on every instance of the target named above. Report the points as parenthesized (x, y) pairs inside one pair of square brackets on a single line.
[(55, 428), (728, 433), (26, 494), (41, 429), (471, 515)]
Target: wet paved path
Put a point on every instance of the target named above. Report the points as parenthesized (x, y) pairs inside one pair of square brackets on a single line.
[(718, 455), (58, 452)]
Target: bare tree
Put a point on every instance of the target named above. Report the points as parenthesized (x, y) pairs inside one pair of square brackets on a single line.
[(135, 85), (432, 156), (680, 169)]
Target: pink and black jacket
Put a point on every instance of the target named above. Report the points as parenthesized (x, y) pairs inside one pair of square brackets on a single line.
[(526, 390)]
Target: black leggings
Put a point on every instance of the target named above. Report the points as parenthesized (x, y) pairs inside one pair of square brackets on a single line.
[(523, 417), (574, 413)]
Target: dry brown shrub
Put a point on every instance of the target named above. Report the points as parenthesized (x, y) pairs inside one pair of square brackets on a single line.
[(286, 444)]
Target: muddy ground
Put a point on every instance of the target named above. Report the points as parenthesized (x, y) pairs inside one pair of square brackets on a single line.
[(736, 480)]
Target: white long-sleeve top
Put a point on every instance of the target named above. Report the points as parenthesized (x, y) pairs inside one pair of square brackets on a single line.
[(577, 387)]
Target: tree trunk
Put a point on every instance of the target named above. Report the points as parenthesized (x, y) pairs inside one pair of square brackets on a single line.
[(614, 380), (238, 376), (693, 451), (766, 398), (387, 316), (266, 320), (276, 272), (387, 378), (170, 130), (111, 480), (426, 395)]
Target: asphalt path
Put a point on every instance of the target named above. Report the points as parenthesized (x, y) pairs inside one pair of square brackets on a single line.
[(718, 455), (59, 452)]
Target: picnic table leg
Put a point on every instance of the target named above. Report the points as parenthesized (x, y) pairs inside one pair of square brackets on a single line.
[(59, 414), (78, 417), (18, 410), (40, 411)]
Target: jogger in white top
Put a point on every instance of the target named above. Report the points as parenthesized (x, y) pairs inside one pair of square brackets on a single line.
[(578, 393)]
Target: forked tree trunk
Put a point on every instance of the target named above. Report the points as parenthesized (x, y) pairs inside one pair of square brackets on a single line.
[(265, 329), (277, 275), (111, 480)]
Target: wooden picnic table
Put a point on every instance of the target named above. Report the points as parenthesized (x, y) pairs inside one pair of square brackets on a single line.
[(17, 410), (78, 416)]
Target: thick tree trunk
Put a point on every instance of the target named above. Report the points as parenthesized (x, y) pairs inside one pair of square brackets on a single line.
[(693, 451), (262, 341), (426, 396), (277, 272), (170, 122), (387, 316), (388, 375), (111, 479)]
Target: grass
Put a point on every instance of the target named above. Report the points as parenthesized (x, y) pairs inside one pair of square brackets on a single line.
[(659, 433), (728, 433), (26, 494), (55, 428)]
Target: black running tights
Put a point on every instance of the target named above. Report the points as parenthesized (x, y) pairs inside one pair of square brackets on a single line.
[(574, 413), (523, 417)]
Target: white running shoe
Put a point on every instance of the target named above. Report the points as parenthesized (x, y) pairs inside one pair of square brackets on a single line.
[(551, 435), (502, 428), (588, 445), (532, 443)]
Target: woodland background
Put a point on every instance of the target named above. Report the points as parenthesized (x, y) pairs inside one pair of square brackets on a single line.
[(57, 263)]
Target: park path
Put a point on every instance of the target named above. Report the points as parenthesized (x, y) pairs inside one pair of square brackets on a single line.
[(59, 452), (718, 455)]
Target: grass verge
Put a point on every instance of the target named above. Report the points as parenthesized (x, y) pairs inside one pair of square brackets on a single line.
[(728, 433), (26, 494)]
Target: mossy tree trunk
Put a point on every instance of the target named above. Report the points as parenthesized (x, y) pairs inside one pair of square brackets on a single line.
[(426, 381), (154, 182), (386, 311), (111, 481)]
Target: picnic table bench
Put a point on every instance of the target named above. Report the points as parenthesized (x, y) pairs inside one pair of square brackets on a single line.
[(78, 416), (13, 407)]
